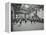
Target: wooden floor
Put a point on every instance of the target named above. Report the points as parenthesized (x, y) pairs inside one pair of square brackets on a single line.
[(28, 26)]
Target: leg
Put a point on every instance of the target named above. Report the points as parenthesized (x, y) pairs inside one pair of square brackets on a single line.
[(25, 21)]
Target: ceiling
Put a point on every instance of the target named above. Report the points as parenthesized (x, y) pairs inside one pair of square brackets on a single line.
[(26, 8)]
